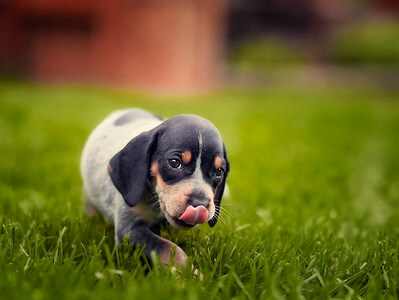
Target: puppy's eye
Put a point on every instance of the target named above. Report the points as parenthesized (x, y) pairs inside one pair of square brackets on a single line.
[(174, 163), (219, 173)]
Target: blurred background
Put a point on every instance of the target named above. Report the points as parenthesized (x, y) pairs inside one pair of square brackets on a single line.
[(304, 93), (187, 46)]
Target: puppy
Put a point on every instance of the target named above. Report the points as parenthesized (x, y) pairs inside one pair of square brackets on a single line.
[(139, 170)]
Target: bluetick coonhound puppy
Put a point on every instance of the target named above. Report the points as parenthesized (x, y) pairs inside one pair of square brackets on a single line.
[(138, 170)]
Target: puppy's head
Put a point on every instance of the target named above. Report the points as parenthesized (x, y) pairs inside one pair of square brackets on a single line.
[(186, 161)]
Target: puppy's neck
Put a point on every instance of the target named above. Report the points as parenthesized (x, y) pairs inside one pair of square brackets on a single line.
[(148, 209)]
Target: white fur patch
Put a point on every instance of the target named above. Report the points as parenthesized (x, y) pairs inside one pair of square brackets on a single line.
[(104, 142)]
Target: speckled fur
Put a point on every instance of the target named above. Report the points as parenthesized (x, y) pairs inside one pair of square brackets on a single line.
[(105, 141)]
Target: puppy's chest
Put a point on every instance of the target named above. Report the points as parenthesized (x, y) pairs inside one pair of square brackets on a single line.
[(148, 211)]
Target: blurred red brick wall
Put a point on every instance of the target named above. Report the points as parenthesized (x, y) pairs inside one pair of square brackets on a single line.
[(390, 6), (156, 45)]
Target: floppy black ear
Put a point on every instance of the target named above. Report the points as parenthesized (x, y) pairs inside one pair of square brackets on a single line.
[(219, 191), (128, 168)]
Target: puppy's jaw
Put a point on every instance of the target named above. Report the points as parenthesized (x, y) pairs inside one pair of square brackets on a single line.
[(173, 199)]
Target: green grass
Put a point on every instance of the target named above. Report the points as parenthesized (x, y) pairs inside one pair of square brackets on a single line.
[(313, 211), (265, 53), (372, 43)]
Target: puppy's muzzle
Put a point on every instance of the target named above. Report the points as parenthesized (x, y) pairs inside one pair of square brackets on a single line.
[(196, 211)]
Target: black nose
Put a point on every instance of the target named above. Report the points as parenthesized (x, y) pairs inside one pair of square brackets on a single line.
[(197, 199), (198, 202)]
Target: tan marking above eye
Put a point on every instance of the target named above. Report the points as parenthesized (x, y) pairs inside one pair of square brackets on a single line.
[(186, 156), (218, 162)]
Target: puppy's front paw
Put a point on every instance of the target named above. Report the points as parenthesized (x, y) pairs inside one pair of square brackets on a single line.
[(173, 254)]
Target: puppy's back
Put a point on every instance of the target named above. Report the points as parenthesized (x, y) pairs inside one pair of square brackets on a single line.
[(109, 137)]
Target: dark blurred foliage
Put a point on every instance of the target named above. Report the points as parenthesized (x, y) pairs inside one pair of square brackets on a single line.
[(296, 18), (259, 17)]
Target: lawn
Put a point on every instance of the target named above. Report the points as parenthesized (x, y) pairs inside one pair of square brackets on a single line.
[(313, 210)]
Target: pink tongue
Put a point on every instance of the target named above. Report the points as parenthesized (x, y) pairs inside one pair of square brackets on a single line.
[(194, 215)]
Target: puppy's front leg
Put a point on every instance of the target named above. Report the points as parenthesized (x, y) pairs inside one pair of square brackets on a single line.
[(140, 235)]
